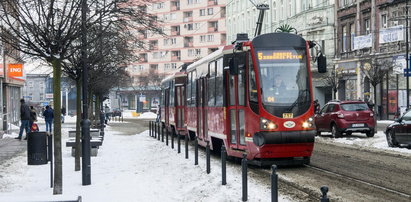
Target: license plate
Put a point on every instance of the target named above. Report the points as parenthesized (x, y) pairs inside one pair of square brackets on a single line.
[(358, 125)]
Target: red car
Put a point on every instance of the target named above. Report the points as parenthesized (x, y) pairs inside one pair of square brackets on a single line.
[(340, 117)]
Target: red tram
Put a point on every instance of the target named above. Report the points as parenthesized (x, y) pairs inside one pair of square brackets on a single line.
[(255, 97)]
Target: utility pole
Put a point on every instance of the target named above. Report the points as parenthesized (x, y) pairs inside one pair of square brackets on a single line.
[(85, 123)]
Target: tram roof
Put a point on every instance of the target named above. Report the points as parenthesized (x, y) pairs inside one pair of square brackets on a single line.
[(207, 58)]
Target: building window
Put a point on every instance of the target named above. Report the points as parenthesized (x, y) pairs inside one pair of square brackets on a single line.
[(202, 12), (198, 51), (160, 5), (210, 38), (210, 11), (367, 26), (352, 35), (166, 66), (173, 65), (344, 39), (203, 38), (189, 26), (141, 67), (173, 16), (154, 67), (30, 84), (384, 21), (189, 2)]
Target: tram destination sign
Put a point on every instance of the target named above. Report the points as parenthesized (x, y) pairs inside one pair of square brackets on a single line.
[(278, 55)]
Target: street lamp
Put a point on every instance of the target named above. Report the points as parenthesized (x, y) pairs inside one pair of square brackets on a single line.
[(407, 59), (85, 123)]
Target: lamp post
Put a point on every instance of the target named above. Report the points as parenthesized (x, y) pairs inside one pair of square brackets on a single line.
[(85, 123), (407, 59)]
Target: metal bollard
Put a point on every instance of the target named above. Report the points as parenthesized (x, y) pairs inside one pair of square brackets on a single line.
[(324, 197), (149, 128), (274, 184), (208, 157), (155, 130), (186, 144), (196, 151), (223, 165), (158, 131), (244, 176), (166, 136), (178, 143), (172, 139), (162, 133)]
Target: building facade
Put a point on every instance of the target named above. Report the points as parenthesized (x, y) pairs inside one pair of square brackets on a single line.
[(313, 20), (371, 36), (193, 28)]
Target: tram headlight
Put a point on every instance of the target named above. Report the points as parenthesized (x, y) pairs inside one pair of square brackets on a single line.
[(309, 123), (267, 125)]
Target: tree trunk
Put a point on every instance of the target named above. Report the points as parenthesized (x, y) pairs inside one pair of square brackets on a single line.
[(58, 171), (77, 164), (97, 109), (375, 102), (90, 105)]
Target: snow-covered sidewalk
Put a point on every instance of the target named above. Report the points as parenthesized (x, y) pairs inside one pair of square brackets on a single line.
[(130, 168)]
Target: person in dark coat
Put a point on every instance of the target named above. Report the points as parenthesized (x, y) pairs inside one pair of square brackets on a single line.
[(48, 117), (25, 118), (33, 116)]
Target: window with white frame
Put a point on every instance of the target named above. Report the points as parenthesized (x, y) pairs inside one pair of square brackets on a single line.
[(160, 5), (197, 26), (210, 11), (210, 38), (198, 52), (140, 67), (202, 38), (173, 41), (202, 12), (165, 42), (344, 38), (367, 26), (167, 66), (384, 21), (173, 65), (189, 2)]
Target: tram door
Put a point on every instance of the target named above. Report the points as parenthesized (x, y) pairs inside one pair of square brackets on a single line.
[(235, 107), (180, 106), (167, 107), (202, 128)]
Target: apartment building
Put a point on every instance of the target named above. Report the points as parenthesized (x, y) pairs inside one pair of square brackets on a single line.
[(313, 20), (193, 28), (372, 33)]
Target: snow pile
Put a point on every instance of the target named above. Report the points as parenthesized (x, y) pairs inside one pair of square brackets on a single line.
[(130, 168), (148, 115)]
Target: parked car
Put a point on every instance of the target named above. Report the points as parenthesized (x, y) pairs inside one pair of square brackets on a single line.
[(345, 117), (399, 132)]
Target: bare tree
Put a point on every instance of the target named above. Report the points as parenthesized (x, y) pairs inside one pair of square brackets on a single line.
[(51, 29), (332, 79), (376, 72)]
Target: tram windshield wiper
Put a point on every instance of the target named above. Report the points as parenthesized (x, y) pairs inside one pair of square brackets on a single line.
[(302, 97)]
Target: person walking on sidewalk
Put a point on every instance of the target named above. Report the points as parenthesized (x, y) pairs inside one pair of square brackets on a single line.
[(24, 117), (63, 114), (48, 117), (33, 116)]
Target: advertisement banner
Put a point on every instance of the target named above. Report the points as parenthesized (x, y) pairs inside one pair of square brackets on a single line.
[(15, 70), (392, 34), (361, 42), (399, 64)]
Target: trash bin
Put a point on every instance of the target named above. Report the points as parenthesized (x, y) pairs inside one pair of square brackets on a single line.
[(37, 148)]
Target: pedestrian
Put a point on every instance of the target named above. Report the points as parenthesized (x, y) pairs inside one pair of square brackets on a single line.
[(48, 117), (33, 116), (107, 113), (63, 114), (25, 118), (42, 111), (316, 106), (158, 112)]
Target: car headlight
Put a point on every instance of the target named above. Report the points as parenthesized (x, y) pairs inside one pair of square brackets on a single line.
[(267, 125), (309, 123)]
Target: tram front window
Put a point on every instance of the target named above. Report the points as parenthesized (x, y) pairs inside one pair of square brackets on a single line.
[(284, 81)]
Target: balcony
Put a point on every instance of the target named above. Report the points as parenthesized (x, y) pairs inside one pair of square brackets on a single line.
[(175, 33), (212, 2), (175, 8), (188, 44), (213, 29), (175, 58), (188, 19)]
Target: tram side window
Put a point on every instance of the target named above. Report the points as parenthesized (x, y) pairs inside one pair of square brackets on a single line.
[(252, 81), (172, 94), (188, 90), (193, 88), (162, 96), (241, 86), (219, 83), (211, 83)]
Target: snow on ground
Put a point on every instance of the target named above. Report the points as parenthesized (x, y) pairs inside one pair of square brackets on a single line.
[(148, 115), (130, 168), (360, 140)]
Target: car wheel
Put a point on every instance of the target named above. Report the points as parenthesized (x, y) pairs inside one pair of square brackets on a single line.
[(349, 133), (335, 132), (391, 139), (370, 133)]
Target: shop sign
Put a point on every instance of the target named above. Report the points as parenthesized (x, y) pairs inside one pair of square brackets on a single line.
[(361, 42), (49, 95), (399, 64), (15, 70), (392, 34)]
